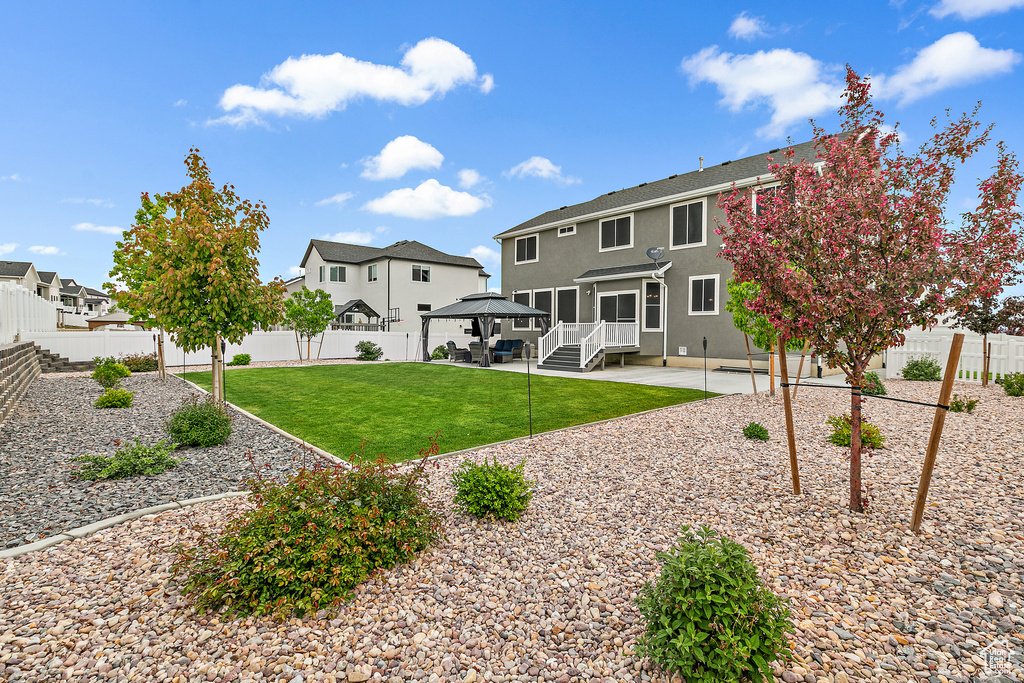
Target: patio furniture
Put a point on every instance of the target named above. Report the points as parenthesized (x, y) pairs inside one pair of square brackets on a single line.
[(502, 351), (455, 354), (474, 351), (517, 349)]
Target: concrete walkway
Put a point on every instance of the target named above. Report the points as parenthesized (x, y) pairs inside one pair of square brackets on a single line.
[(688, 378)]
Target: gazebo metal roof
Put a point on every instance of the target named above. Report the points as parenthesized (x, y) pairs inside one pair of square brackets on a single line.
[(486, 303)]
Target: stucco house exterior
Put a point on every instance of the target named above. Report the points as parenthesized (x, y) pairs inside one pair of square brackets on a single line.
[(20, 273), (49, 287), (397, 283), (588, 263)]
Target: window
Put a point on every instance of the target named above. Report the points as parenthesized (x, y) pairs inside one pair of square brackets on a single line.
[(686, 223), (421, 273), (567, 309), (423, 308), (619, 307), (371, 273), (652, 306), (765, 192), (323, 270), (566, 230), (524, 299), (337, 273), (617, 233), (544, 300), (526, 249), (704, 295)]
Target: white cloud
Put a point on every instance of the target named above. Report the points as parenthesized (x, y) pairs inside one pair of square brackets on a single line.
[(8, 247), (485, 255), (316, 85), (973, 9), (953, 60), (13, 177), (793, 84), (90, 227), (540, 167), (496, 290), (295, 271), (339, 199), (180, 103), (351, 237), (381, 229), (46, 251), (430, 200), (105, 203), (468, 177), (400, 156), (745, 27)]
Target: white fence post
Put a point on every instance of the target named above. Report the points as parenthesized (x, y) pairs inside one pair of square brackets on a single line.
[(23, 312), (1007, 354)]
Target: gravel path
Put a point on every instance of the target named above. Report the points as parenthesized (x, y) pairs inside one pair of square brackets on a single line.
[(56, 421), (550, 597)]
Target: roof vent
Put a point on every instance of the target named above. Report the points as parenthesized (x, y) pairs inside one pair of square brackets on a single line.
[(612, 192), (726, 163), (701, 164), (673, 176), (773, 151), (641, 184), (563, 208)]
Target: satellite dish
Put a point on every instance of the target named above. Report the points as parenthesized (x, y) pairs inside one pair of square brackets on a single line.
[(655, 253)]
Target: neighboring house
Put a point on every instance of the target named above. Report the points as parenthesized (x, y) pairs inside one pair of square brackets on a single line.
[(588, 262), (72, 296), (390, 286), (96, 302), (22, 273), (294, 285), (49, 287)]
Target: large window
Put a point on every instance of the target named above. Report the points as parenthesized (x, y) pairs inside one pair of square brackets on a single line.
[(337, 273), (704, 295), (544, 300), (619, 307), (617, 233), (323, 271), (687, 225), (371, 273), (567, 309), (524, 299), (526, 249), (652, 306), (421, 273)]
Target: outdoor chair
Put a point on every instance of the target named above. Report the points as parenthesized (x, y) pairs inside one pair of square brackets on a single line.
[(474, 351), (455, 354), (503, 351), (517, 349)]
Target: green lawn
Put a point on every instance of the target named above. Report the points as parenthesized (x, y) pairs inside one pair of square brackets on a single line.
[(395, 407)]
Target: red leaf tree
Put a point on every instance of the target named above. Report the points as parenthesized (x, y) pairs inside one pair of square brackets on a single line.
[(854, 248)]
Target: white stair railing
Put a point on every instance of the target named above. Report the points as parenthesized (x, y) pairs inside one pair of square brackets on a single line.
[(591, 344), (547, 344)]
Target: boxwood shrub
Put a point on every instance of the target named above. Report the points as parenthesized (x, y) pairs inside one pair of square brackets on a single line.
[(924, 369), (115, 397), (199, 422)]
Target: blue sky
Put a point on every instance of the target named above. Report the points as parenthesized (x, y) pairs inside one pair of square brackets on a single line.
[(446, 122)]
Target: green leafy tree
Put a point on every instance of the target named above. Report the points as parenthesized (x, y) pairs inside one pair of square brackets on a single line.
[(754, 325), (308, 312), (189, 261)]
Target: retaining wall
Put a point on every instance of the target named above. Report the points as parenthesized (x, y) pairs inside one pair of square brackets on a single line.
[(18, 367)]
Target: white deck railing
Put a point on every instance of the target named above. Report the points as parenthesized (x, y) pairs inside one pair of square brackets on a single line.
[(591, 337), (591, 344), (1007, 354), (621, 334)]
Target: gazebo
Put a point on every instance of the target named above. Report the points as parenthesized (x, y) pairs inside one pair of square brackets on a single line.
[(483, 308), (117, 318)]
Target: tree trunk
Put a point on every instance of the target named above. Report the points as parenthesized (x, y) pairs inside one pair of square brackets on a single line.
[(771, 370), (985, 360), (308, 342), (800, 370), (298, 345), (856, 503), (214, 379), (750, 363)]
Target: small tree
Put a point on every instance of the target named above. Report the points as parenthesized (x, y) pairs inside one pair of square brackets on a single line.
[(980, 317), (856, 250), (308, 313), (754, 325), (189, 261), (1011, 316)]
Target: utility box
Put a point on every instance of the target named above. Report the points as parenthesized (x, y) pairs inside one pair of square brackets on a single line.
[(682, 350)]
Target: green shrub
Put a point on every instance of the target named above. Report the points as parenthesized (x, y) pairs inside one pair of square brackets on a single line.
[(962, 404), (872, 385), (199, 423), (304, 544), (870, 435), (140, 362), (490, 489), (115, 398), (241, 359), (128, 462), (1013, 383), (922, 369), (109, 372), (708, 616), (439, 353), (367, 350), (755, 431)]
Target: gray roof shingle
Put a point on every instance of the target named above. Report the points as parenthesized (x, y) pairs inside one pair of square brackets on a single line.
[(14, 268), (711, 176), (408, 250)]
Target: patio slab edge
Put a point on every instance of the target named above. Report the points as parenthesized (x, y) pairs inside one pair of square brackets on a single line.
[(90, 529)]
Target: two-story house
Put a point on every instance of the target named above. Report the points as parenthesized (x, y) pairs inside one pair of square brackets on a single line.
[(20, 273), (390, 286), (49, 286), (589, 263)]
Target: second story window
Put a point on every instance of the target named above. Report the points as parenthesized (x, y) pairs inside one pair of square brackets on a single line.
[(617, 233), (323, 271), (763, 194), (421, 273), (371, 273), (566, 230), (526, 249), (337, 273), (687, 221)]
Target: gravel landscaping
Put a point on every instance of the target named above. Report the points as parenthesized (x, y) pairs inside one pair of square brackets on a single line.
[(550, 597), (56, 421)]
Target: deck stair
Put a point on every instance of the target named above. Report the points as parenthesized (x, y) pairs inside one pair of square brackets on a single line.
[(582, 347)]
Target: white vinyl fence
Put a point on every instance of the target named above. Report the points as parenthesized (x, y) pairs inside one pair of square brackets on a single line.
[(1007, 353), (262, 346), (22, 311)]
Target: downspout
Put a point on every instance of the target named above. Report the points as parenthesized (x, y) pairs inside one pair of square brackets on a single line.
[(389, 295)]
